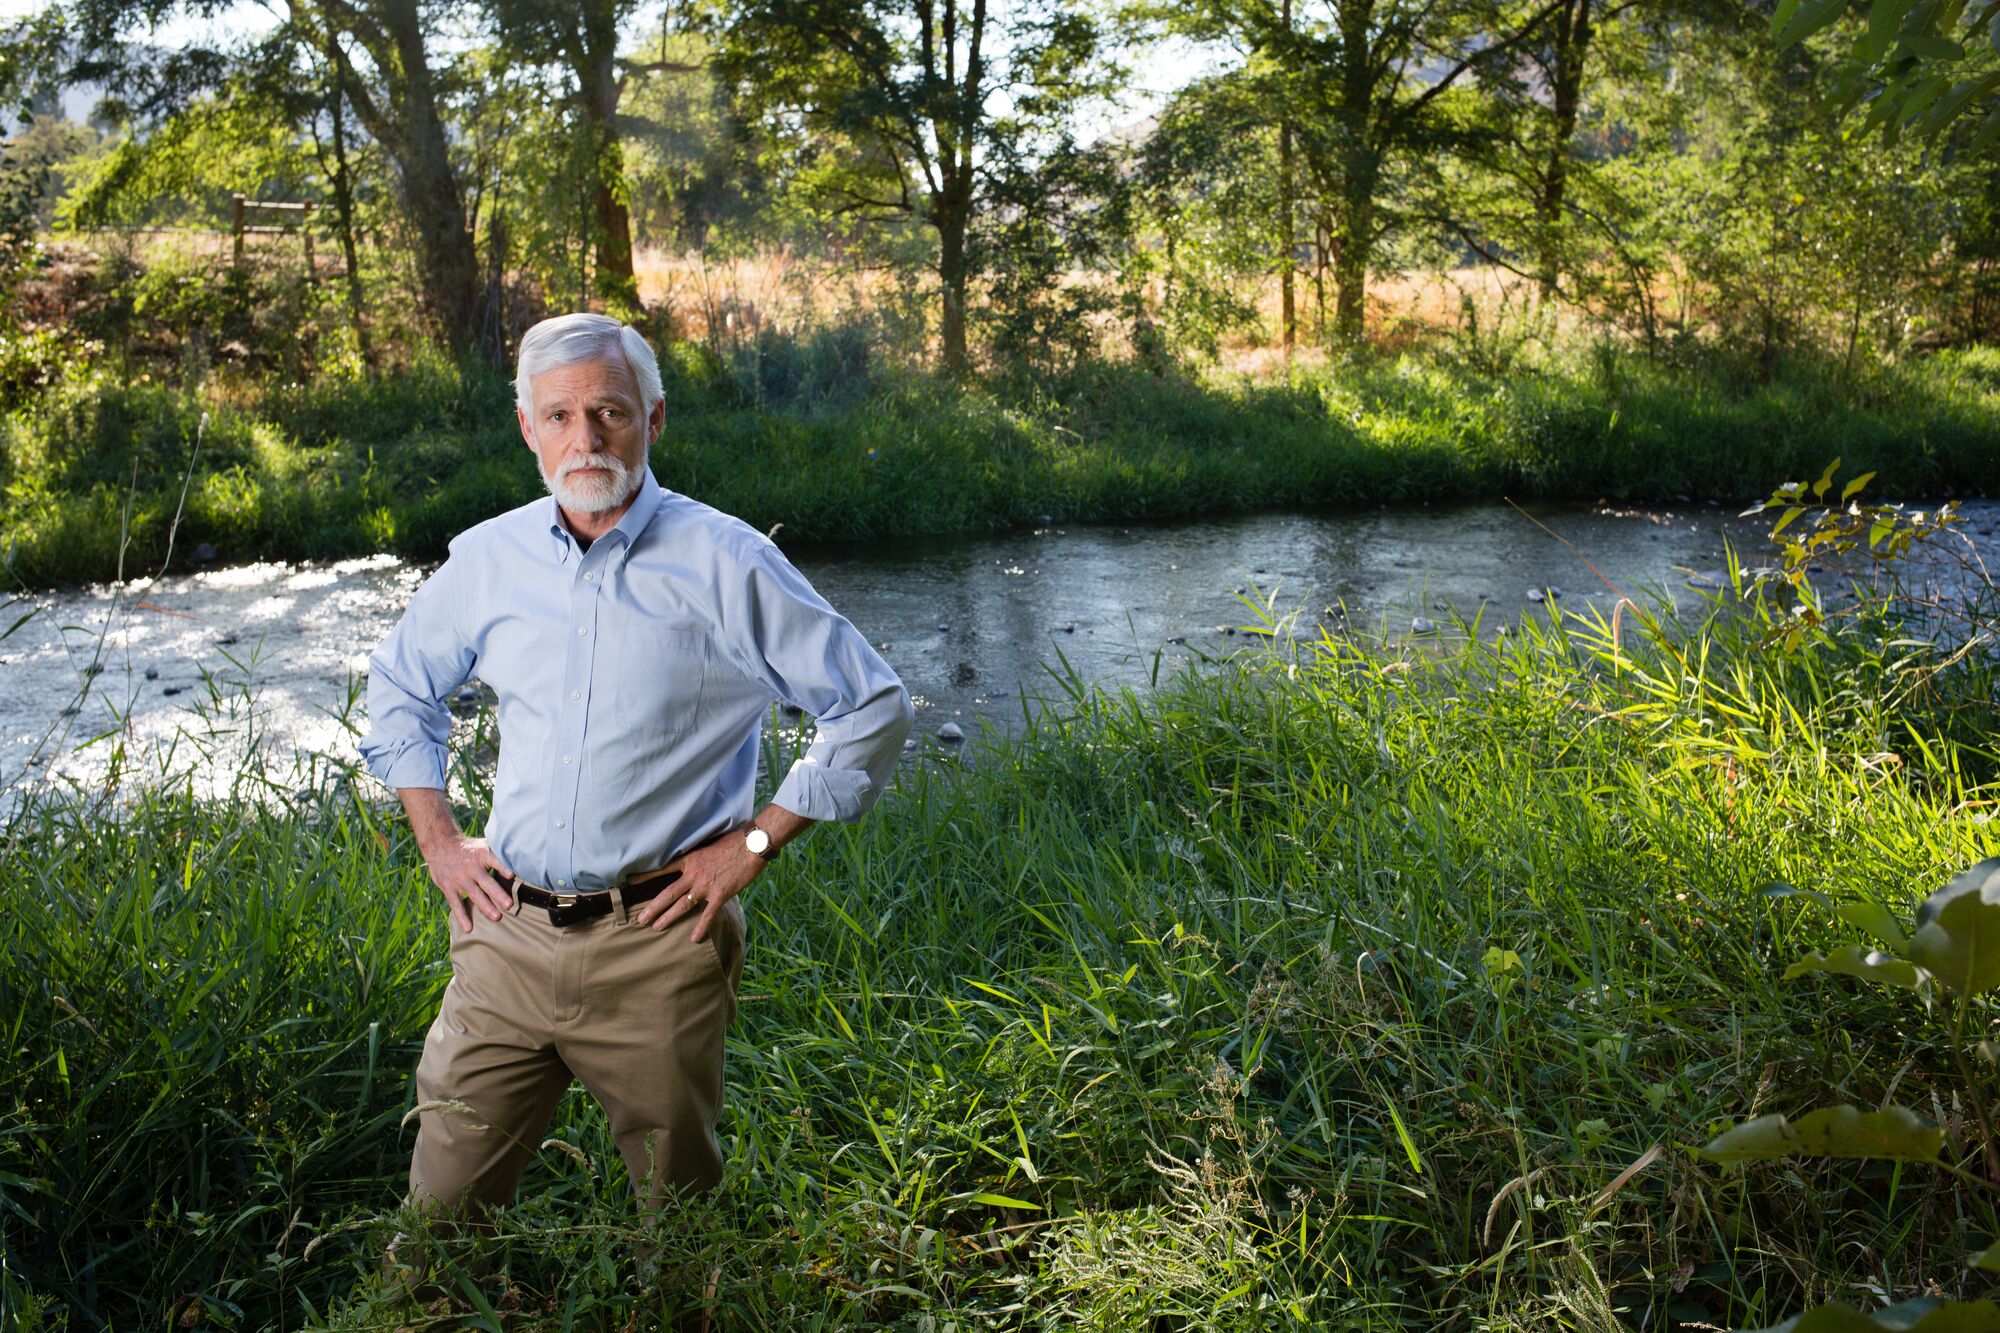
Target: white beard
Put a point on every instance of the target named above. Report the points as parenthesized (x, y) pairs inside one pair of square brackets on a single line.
[(594, 492)]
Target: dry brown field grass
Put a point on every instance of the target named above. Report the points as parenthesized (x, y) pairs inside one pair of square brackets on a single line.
[(784, 292), (729, 299)]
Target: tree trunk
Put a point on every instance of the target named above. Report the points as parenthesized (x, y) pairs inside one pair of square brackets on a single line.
[(1571, 45), (446, 262), (952, 217), (1360, 169), (1352, 246), (343, 201), (611, 215), (617, 284), (1322, 247), (497, 321), (1287, 209)]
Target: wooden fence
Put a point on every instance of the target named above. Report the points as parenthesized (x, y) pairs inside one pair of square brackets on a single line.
[(240, 208)]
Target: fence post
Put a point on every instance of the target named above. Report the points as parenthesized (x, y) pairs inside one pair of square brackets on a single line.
[(306, 229), (236, 225)]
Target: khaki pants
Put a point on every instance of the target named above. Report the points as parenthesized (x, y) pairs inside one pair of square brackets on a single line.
[(638, 1015)]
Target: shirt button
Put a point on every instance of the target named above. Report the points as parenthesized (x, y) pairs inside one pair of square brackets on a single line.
[(590, 578), (567, 759), (562, 823), (581, 630), (576, 694), (562, 883)]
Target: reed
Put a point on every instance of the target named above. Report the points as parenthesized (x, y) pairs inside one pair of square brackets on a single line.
[(819, 433), (1345, 984)]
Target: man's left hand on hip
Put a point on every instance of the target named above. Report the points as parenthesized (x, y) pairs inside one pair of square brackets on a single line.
[(711, 875)]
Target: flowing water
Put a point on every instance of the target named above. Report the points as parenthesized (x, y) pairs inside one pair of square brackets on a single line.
[(197, 672)]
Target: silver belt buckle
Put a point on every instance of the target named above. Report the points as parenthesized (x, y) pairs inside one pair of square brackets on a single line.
[(565, 900)]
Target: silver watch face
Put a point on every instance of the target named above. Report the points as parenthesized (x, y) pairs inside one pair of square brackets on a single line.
[(757, 841)]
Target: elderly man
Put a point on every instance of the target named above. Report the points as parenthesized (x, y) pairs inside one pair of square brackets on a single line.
[(636, 639)]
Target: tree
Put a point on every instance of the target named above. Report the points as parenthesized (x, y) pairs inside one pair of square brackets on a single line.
[(1367, 85), (377, 52), (582, 37), (910, 113), (1206, 215), (1532, 195), (337, 167)]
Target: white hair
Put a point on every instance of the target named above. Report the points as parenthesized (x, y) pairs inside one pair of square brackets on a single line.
[(568, 340)]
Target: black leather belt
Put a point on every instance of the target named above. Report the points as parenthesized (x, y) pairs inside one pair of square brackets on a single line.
[(567, 909)]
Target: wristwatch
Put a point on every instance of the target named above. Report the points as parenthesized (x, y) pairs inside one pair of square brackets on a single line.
[(758, 844)]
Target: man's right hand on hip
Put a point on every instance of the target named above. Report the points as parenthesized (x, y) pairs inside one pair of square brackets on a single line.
[(461, 867)]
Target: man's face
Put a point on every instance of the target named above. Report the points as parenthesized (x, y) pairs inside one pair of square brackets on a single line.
[(587, 430)]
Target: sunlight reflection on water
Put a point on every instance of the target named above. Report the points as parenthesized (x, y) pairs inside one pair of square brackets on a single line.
[(197, 672)]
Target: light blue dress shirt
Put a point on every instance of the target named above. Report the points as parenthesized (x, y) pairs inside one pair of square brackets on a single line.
[(632, 682)]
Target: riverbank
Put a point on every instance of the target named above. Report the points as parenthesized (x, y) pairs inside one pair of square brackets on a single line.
[(1229, 1005), (93, 470)]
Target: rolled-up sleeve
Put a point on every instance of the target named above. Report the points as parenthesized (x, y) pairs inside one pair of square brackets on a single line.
[(812, 658), (424, 658)]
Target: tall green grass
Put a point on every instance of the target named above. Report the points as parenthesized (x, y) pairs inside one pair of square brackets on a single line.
[(1333, 988), (406, 461)]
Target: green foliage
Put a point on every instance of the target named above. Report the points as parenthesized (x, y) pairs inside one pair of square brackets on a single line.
[(1269, 1016), (1855, 960), (1924, 1315), (31, 175), (186, 169), (1204, 214), (1956, 945), (1834, 1131), (1048, 231), (1957, 939), (1914, 68), (1791, 234), (1838, 530), (904, 127), (693, 185)]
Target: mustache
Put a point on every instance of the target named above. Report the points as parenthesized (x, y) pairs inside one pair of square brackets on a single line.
[(608, 462)]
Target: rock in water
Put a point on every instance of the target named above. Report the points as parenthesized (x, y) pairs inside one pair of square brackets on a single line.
[(951, 731), (1422, 626), (1536, 595)]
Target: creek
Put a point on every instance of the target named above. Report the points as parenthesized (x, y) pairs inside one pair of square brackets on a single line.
[(206, 672)]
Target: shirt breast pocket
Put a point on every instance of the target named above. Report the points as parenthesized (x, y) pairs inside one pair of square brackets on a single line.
[(654, 678)]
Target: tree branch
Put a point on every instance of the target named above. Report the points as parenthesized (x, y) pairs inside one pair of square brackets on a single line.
[(1480, 249), (1429, 94)]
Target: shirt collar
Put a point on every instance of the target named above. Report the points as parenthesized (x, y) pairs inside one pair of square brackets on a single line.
[(645, 505)]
